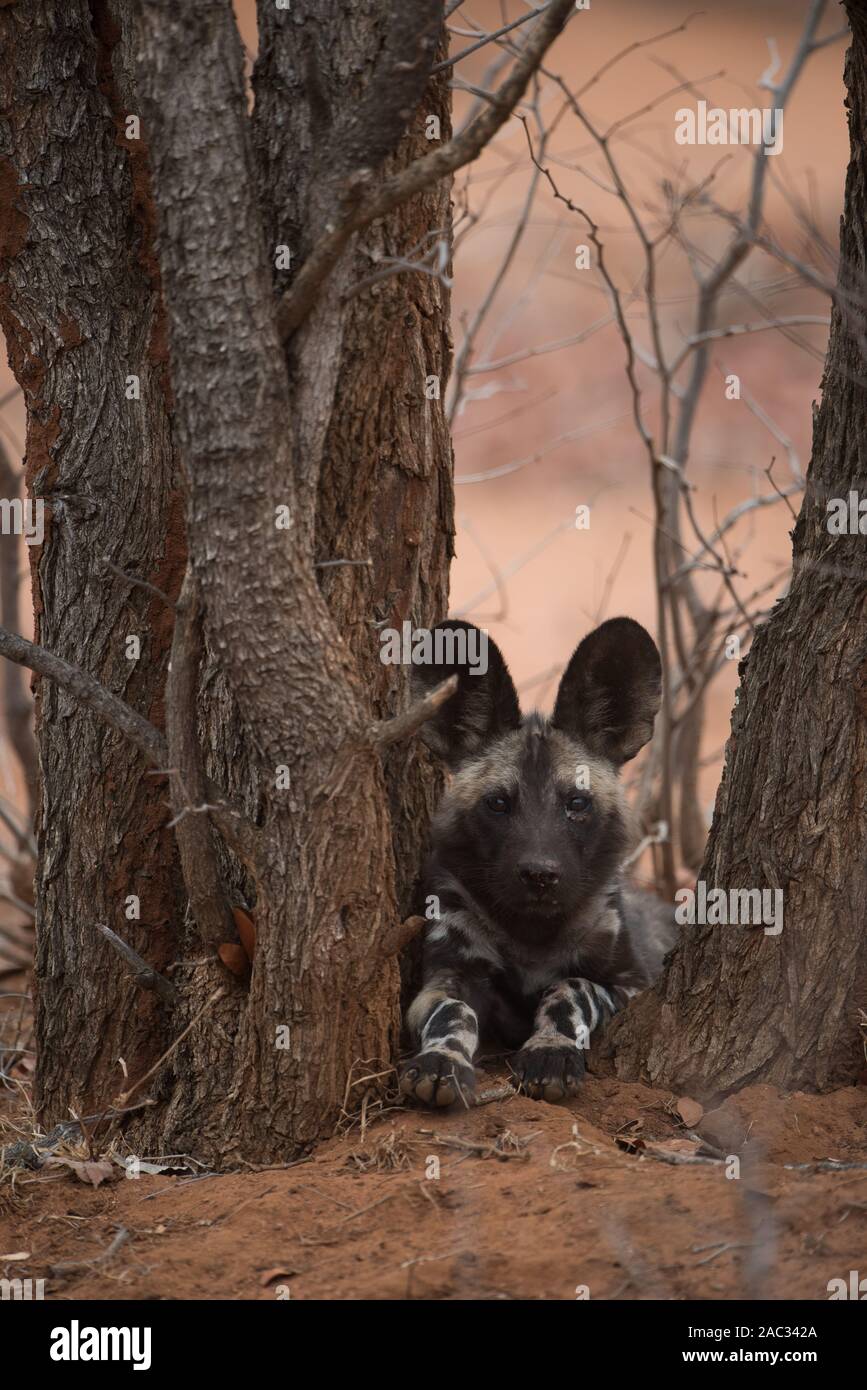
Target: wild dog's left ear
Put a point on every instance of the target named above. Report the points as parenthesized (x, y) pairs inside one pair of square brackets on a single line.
[(611, 690), (485, 704)]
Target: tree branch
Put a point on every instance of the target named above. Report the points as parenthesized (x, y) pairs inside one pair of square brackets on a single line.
[(389, 731), (299, 299), (143, 974), (487, 38), (233, 825)]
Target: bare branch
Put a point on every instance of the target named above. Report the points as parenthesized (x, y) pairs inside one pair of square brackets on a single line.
[(143, 974), (389, 731), (488, 38), (209, 1002), (299, 299), (89, 692), (138, 583)]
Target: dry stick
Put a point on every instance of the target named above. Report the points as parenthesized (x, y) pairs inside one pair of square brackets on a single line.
[(737, 250), (299, 299), (389, 731), (143, 974), (138, 583), (330, 1240), (465, 353), (125, 1095), (486, 39), (71, 1265), (239, 833)]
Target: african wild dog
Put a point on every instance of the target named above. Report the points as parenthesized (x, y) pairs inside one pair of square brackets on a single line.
[(538, 940)]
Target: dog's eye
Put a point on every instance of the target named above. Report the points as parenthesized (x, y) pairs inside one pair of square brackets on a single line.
[(578, 805), (500, 805)]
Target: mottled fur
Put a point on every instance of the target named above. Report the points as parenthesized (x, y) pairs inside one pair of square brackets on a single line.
[(536, 939)]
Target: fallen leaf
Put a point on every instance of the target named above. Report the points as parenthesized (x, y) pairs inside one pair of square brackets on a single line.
[(631, 1146), (85, 1170), (689, 1111), (271, 1274)]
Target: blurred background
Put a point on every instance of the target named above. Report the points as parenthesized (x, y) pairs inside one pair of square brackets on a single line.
[(542, 411)]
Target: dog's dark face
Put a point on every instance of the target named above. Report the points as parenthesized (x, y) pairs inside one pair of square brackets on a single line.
[(533, 823)]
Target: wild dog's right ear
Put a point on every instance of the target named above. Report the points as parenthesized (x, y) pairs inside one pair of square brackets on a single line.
[(485, 703)]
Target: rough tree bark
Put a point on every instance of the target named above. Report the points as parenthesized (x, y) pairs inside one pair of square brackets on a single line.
[(382, 452), (236, 427), (79, 306), (736, 1005), (252, 440)]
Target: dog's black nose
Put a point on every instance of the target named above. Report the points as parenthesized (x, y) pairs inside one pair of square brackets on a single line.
[(539, 876)]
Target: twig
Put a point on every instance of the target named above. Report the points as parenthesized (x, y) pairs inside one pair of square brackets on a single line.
[(233, 825), (299, 299), (125, 1095), (70, 1266), (486, 39), (143, 974), (389, 731), (138, 583)]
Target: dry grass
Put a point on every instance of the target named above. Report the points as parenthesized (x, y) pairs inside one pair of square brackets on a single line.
[(390, 1153)]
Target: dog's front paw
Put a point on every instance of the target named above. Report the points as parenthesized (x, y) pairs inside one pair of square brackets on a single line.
[(548, 1070), (437, 1078)]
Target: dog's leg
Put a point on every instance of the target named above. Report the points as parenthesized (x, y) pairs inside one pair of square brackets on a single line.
[(447, 1028), (550, 1065)]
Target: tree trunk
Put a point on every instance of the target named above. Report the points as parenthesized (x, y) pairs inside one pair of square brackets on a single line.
[(357, 373), (79, 305), (737, 1004), (339, 431)]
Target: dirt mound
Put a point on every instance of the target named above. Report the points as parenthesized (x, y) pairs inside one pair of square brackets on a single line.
[(608, 1196)]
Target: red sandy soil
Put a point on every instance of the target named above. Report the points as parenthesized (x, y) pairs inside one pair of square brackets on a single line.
[(570, 1208)]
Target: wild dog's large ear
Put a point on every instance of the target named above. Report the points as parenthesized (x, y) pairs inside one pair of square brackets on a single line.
[(485, 703), (611, 690)]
